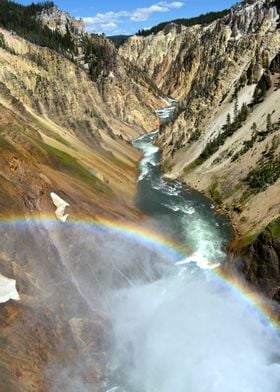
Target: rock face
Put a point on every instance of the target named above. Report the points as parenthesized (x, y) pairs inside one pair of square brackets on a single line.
[(66, 111), (180, 61), (261, 261), (58, 20), (224, 139)]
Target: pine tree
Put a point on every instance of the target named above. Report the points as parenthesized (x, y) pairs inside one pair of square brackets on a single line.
[(244, 112), (268, 123), (275, 142), (254, 129), (235, 110), (265, 60), (228, 120)]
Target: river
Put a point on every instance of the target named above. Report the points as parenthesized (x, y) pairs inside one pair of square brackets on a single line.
[(184, 214), (187, 331)]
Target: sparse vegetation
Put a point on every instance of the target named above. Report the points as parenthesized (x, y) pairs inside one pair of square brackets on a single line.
[(274, 228), (38, 59), (99, 55), (258, 136), (167, 165), (267, 171), (4, 45), (195, 135), (5, 145), (192, 166), (229, 128)]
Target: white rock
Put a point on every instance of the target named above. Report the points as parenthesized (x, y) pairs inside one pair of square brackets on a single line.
[(61, 205), (8, 289)]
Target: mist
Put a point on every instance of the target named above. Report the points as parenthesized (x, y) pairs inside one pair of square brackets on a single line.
[(124, 317), (190, 332)]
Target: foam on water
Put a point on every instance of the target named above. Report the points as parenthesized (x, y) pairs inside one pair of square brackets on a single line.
[(204, 238), (186, 209), (149, 151)]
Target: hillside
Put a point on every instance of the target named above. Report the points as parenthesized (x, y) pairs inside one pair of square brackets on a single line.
[(67, 114), (225, 136)]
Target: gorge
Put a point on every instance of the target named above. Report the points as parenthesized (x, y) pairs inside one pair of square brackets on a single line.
[(138, 254)]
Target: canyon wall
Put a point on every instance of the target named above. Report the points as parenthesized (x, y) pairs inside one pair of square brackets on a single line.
[(224, 139), (63, 131)]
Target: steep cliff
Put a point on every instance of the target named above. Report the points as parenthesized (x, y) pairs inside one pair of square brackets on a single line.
[(261, 261)]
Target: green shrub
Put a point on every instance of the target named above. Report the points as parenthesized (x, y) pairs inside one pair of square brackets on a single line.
[(265, 174), (192, 166), (229, 128), (214, 193)]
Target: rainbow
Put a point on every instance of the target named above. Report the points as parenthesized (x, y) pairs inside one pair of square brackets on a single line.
[(157, 242)]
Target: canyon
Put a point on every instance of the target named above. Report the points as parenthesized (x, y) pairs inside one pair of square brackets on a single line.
[(225, 132), (67, 119)]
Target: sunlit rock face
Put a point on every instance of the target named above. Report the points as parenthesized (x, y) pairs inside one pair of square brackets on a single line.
[(247, 18), (56, 19)]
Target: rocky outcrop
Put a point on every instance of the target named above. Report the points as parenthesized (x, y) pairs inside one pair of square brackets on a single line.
[(261, 261), (61, 21)]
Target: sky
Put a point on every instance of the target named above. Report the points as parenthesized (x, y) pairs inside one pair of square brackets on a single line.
[(127, 17)]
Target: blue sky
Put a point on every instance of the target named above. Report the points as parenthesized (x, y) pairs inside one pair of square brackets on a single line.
[(126, 17)]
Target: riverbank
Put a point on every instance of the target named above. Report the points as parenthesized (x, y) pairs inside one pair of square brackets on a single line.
[(253, 250), (253, 255)]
